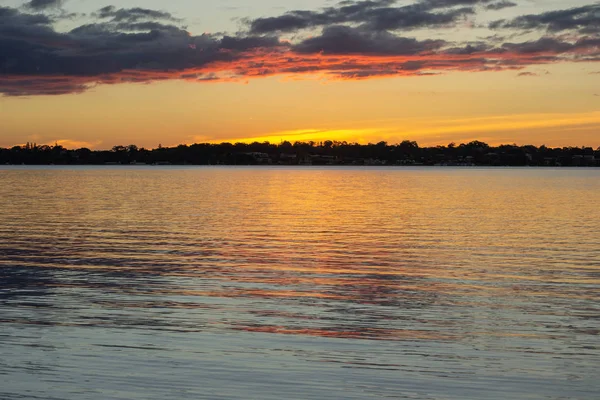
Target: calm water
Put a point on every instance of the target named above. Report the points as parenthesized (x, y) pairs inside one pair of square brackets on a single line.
[(307, 283)]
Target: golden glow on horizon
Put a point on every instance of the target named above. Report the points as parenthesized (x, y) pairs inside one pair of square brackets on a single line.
[(558, 109), (431, 129), (70, 144), (305, 135)]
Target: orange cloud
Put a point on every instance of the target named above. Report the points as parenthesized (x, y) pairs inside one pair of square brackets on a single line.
[(351, 45), (258, 63)]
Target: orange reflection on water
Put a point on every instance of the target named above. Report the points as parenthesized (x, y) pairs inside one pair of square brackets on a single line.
[(366, 333), (383, 253)]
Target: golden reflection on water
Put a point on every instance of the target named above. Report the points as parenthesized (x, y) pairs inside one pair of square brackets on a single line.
[(506, 260)]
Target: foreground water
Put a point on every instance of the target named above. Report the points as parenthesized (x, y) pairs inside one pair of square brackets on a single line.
[(285, 283)]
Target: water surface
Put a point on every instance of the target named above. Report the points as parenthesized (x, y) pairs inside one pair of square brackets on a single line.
[(299, 283)]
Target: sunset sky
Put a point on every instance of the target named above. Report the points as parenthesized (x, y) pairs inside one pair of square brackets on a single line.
[(84, 73)]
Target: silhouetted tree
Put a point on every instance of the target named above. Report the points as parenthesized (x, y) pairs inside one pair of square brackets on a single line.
[(327, 152)]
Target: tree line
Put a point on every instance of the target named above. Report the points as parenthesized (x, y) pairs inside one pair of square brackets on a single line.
[(316, 153)]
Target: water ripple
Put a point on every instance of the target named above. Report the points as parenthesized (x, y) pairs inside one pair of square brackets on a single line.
[(267, 283)]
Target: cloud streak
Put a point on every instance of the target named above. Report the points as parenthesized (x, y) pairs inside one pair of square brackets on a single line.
[(500, 5), (43, 4), (131, 14), (375, 15), (586, 19), (350, 41)]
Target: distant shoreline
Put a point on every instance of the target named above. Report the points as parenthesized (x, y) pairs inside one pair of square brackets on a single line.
[(326, 153), (265, 166)]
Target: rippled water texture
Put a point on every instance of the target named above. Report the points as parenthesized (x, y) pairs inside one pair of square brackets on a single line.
[(299, 283)]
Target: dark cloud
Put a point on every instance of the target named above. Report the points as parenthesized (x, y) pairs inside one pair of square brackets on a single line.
[(586, 19), (470, 48), (247, 43), (407, 18), (12, 17), (543, 45), (550, 45), (35, 59), (291, 21), (434, 4), (354, 40), (43, 4), (133, 14), (347, 40), (21, 86), (500, 5), (375, 15)]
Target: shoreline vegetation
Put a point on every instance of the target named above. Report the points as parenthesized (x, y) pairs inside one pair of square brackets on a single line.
[(327, 152)]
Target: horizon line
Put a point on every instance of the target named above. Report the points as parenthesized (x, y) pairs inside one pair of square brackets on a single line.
[(312, 143)]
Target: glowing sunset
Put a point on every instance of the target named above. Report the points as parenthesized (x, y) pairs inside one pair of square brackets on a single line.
[(184, 72), (299, 199)]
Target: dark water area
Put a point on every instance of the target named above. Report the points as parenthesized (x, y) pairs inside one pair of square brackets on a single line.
[(299, 283)]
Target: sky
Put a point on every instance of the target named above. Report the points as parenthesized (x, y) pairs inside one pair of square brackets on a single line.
[(88, 73)]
